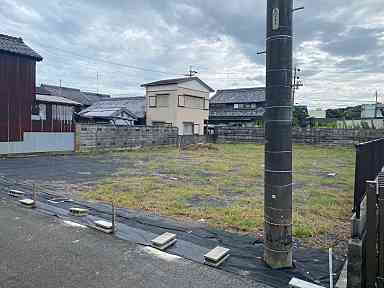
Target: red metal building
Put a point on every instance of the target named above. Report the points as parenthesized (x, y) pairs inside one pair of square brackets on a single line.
[(17, 87)]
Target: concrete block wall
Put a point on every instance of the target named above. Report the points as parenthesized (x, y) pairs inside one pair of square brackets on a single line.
[(100, 136), (323, 136)]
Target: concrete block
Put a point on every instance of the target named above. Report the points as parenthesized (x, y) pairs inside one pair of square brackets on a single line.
[(298, 283), (15, 193), (104, 224), (78, 211), (216, 256), (28, 203), (164, 241)]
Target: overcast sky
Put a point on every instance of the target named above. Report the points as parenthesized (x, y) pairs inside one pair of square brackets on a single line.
[(339, 44)]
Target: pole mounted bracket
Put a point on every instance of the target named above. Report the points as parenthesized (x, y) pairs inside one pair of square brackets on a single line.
[(298, 8)]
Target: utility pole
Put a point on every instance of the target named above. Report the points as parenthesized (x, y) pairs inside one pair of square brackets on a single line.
[(278, 135)]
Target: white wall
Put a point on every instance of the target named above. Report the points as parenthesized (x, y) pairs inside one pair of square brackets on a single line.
[(40, 142), (357, 124)]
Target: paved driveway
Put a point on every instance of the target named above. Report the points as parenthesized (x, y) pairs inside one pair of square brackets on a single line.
[(42, 251)]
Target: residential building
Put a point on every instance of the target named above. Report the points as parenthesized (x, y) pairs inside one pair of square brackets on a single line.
[(243, 107), (17, 87), (119, 111), (182, 102)]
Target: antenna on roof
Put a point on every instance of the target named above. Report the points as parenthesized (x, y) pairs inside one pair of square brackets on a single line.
[(191, 72)]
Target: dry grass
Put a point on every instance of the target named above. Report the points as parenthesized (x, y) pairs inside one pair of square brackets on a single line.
[(223, 184)]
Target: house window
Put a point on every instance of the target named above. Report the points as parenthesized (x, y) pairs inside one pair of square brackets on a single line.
[(235, 106), (181, 102), (194, 102), (162, 100), (188, 128), (253, 105), (152, 101)]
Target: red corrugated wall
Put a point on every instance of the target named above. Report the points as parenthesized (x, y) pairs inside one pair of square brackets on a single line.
[(17, 90)]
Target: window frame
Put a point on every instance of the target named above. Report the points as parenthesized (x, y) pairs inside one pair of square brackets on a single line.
[(157, 102), (181, 103), (151, 105), (195, 97)]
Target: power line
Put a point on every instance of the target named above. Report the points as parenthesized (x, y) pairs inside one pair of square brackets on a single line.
[(108, 62)]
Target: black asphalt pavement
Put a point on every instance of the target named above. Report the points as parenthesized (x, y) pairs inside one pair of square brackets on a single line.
[(42, 251)]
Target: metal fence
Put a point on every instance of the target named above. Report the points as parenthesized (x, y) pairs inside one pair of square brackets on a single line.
[(369, 162), (372, 265)]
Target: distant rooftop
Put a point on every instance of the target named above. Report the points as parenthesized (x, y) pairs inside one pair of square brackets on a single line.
[(55, 99), (135, 105), (178, 81), (74, 94), (17, 46), (241, 95)]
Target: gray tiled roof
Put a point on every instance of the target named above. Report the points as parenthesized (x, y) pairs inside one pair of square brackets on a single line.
[(108, 113), (17, 46), (85, 98), (135, 105), (242, 95), (177, 81)]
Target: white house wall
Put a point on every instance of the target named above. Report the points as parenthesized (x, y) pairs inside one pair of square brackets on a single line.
[(35, 142)]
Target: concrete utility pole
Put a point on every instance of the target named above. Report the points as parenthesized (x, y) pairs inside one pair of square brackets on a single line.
[(278, 135)]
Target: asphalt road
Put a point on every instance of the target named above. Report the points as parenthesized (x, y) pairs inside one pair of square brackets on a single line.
[(43, 251)]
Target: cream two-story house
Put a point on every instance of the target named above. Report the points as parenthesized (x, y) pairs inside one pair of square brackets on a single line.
[(182, 102)]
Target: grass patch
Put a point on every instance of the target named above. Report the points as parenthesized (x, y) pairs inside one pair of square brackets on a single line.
[(224, 186)]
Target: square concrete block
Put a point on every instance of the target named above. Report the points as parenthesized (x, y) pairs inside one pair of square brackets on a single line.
[(15, 193), (298, 283), (104, 224), (27, 202), (78, 211), (164, 241), (216, 256)]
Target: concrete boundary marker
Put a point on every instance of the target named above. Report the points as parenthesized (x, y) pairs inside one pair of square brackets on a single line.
[(164, 241), (216, 256)]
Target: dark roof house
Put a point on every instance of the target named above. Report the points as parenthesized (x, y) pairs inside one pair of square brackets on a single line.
[(17, 88), (244, 106), (16, 46), (242, 95)]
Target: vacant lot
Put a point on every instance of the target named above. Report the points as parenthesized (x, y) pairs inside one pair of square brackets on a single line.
[(223, 185)]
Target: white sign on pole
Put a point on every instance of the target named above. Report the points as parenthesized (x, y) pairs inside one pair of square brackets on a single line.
[(275, 19)]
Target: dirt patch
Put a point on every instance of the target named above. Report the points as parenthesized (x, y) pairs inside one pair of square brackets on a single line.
[(201, 146)]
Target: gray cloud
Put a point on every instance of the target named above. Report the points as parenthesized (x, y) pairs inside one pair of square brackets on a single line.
[(339, 45)]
